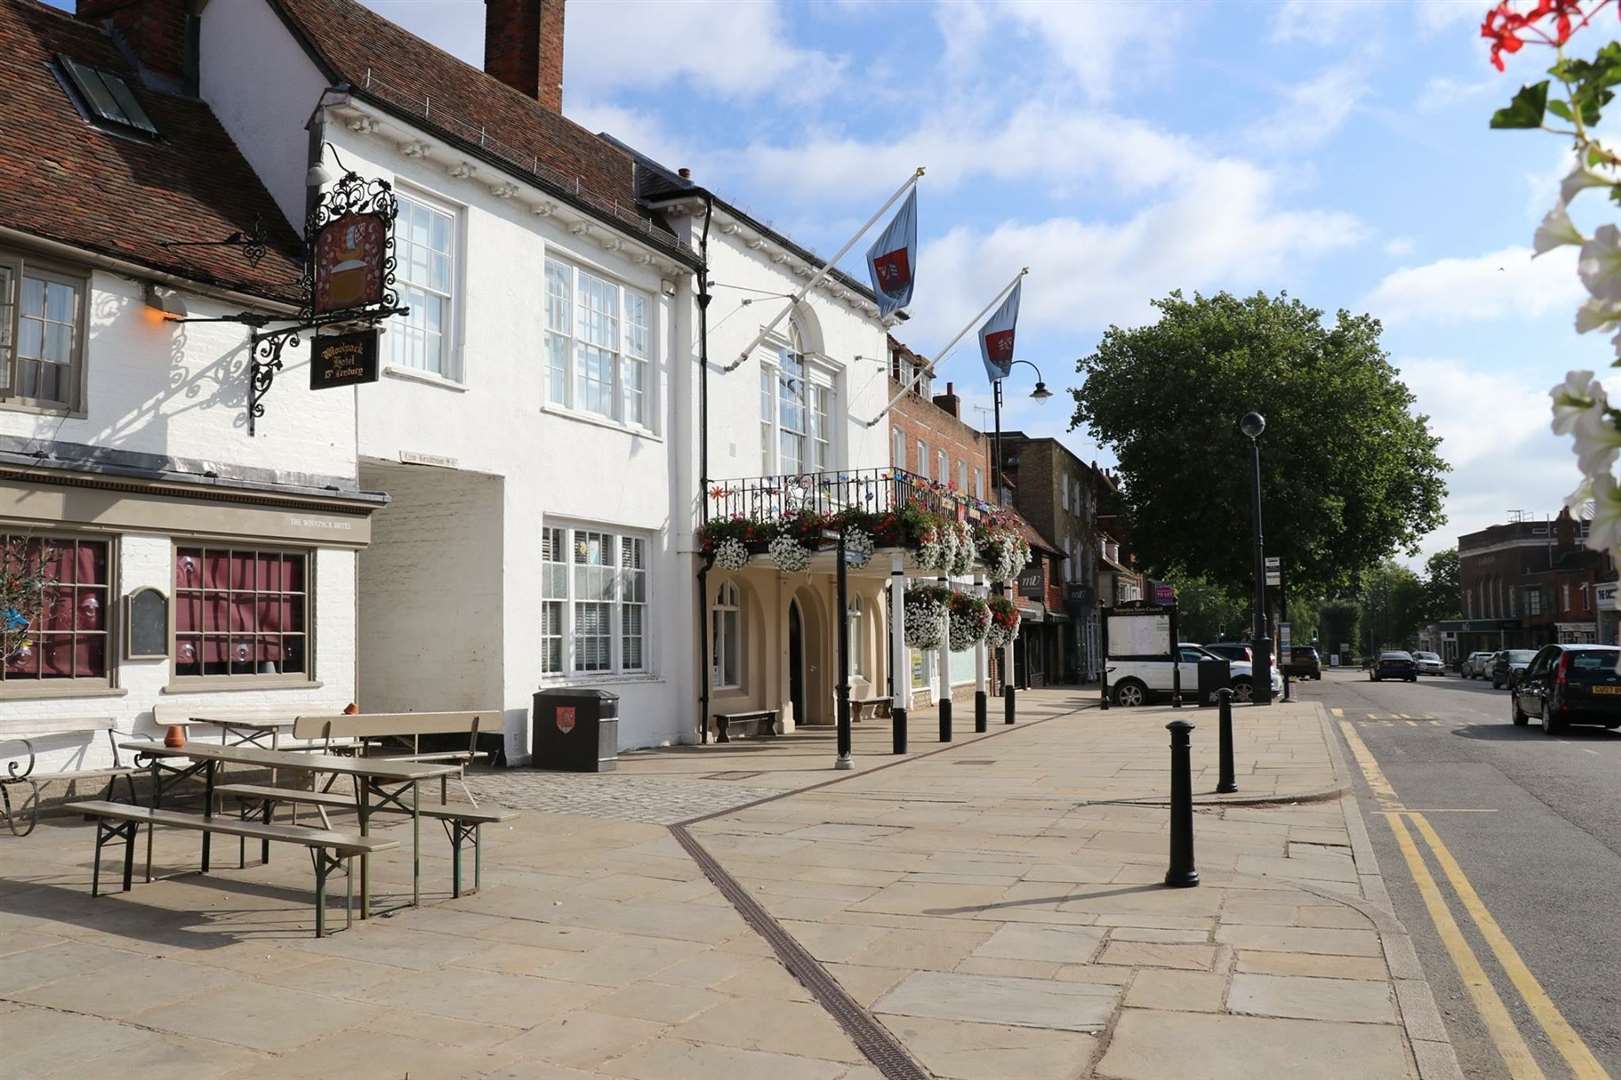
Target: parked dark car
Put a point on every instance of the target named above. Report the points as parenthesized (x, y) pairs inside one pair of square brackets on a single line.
[(1394, 665), (1303, 663), (1508, 665), (1233, 650), (1569, 684)]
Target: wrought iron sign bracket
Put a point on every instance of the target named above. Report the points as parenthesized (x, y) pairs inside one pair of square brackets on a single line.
[(266, 348)]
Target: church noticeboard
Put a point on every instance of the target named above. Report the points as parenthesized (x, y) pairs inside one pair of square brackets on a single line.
[(350, 252), (343, 359)]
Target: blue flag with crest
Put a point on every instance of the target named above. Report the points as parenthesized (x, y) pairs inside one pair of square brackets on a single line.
[(892, 259)]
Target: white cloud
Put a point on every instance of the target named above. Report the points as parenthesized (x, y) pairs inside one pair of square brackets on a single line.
[(633, 127), (1316, 109), (1219, 229), (725, 48), (1497, 285), (1435, 15), (1442, 92), (1319, 22), (1399, 246)]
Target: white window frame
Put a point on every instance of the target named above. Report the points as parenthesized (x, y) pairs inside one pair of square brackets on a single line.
[(622, 353), (818, 400), (726, 637), (923, 459), (942, 467), (897, 448), (18, 267), (620, 604), (979, 483), (962, 476), (1063, 493), (450, 333)]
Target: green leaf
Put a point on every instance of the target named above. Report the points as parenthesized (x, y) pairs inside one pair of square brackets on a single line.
[(1526, 110), (1560, 109)]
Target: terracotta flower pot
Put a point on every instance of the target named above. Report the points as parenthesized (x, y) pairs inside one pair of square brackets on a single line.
[(175, 736)]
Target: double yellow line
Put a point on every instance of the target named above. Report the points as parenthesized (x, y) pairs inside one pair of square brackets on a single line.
[(1499, 1025)]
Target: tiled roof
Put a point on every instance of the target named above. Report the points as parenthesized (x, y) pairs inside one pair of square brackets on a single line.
[(399, 72), (63, 179)]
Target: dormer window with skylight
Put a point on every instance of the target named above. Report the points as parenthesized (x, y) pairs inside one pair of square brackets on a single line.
[(107, 100)]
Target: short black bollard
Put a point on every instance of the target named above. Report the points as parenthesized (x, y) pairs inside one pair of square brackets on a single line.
[(1007, 703), (1224, 701), (1181, 874), (980, 703), (945, 716), (897, 726)]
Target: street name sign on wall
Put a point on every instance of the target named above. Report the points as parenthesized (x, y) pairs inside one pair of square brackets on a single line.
[(343, 359)]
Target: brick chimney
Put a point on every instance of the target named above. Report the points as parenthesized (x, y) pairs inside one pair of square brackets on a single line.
[(1564, 530), (523, 47), (948, 400), (158, 31)]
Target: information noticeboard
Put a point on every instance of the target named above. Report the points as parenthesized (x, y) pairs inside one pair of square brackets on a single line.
[(1139, 635), (146, 625)]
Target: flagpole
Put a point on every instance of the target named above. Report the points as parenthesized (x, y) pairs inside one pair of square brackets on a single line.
[(952, 344), (823, 272)]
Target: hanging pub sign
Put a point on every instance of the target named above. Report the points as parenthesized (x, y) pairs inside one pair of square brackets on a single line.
[(350, 251), (343, 359)]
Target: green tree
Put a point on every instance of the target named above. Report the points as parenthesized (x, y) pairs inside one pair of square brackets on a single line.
[(1393, 606), (1443, 586), (1350, 475), (1207, 612), (1341, 626)]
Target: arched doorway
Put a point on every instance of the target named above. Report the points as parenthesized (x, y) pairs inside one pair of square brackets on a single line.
[(796, 661)]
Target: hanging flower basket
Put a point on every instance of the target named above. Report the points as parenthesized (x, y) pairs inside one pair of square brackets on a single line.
[(788, 553), (965, 552), (731, 554), (1004, 625), (932, 550), (970, 619), (926, 608), (858, 548), (1003, 551)]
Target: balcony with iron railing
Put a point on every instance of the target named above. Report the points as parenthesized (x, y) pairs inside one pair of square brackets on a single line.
[(769, 498)]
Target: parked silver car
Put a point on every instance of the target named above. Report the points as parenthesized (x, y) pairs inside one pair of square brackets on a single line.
[(1477, 665), (1429, 663)]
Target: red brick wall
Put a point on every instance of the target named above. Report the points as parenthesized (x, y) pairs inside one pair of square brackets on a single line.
[(920, 418), (523, 47)]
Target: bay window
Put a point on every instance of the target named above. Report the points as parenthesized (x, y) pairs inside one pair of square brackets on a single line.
[(66, 643), (594, 593), (425, 267), (241, 614), (42, 315), (598, 346)]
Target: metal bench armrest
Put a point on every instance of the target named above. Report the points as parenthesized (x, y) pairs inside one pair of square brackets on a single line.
[(13, 775)]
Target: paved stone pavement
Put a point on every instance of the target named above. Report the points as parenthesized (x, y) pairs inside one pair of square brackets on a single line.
[(996, 907)]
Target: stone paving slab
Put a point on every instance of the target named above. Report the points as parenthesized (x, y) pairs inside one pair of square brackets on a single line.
[(1004, 919)]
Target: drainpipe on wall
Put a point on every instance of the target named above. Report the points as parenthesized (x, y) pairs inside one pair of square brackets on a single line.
[(703, 468)]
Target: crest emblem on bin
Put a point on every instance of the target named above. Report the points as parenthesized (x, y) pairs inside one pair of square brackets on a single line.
[(565, 718)]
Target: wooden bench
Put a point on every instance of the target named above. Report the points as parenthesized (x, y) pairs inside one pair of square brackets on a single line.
[(328, 850), (27, 732), (461, 823), (758, 722), (398, 736)]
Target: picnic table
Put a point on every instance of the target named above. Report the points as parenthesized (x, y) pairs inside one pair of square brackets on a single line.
[(388, 781), (244, 731)]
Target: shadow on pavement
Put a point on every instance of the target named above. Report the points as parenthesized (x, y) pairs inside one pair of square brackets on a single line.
[(1531, 732)]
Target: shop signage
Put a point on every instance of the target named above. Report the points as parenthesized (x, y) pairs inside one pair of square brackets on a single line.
[(1604, 595), (343, 359), (1164, 594), (350, 251), (1033, 581)]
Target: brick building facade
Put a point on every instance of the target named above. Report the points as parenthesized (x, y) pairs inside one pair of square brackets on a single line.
[(927, 433)]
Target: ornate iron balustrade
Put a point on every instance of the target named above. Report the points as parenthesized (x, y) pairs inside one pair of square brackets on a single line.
[(874, 490)]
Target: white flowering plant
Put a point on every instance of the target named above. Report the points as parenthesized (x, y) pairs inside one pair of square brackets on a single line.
[(731, 554), (1581, 407), (788, 553), (858, 548), (970, 619), (926, 610), (1004, 626)]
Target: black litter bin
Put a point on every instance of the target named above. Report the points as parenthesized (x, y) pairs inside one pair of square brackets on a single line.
[(575, 730), (1213, 675)]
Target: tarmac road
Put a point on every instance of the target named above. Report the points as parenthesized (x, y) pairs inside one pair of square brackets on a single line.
[(1533, 825)]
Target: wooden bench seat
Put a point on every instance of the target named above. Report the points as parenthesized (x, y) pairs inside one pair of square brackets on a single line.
[(877, 707), (461, 822), (22, 818), (328, 849), (754, 722), (398, 737)]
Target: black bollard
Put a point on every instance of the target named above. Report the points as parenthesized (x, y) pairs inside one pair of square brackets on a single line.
[(1007, 703), (897, 727), (1224, 700), (945, 715), (980, 703), (1181, 874)]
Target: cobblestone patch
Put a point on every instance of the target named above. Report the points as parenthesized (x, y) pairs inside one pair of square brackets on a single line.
[(648, 799)]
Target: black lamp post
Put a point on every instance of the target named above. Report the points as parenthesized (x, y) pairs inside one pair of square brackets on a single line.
[(1252, 425), (1040, 393)]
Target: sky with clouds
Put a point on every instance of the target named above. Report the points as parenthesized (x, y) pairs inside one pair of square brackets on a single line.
[(1338, 150)]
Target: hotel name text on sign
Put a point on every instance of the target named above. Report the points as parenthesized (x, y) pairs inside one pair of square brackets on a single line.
[(343, 360)]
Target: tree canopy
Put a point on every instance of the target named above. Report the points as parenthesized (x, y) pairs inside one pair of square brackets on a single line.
[(1349, 473)]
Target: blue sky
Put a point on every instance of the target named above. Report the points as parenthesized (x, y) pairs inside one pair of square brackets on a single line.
[(1335, 149)]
